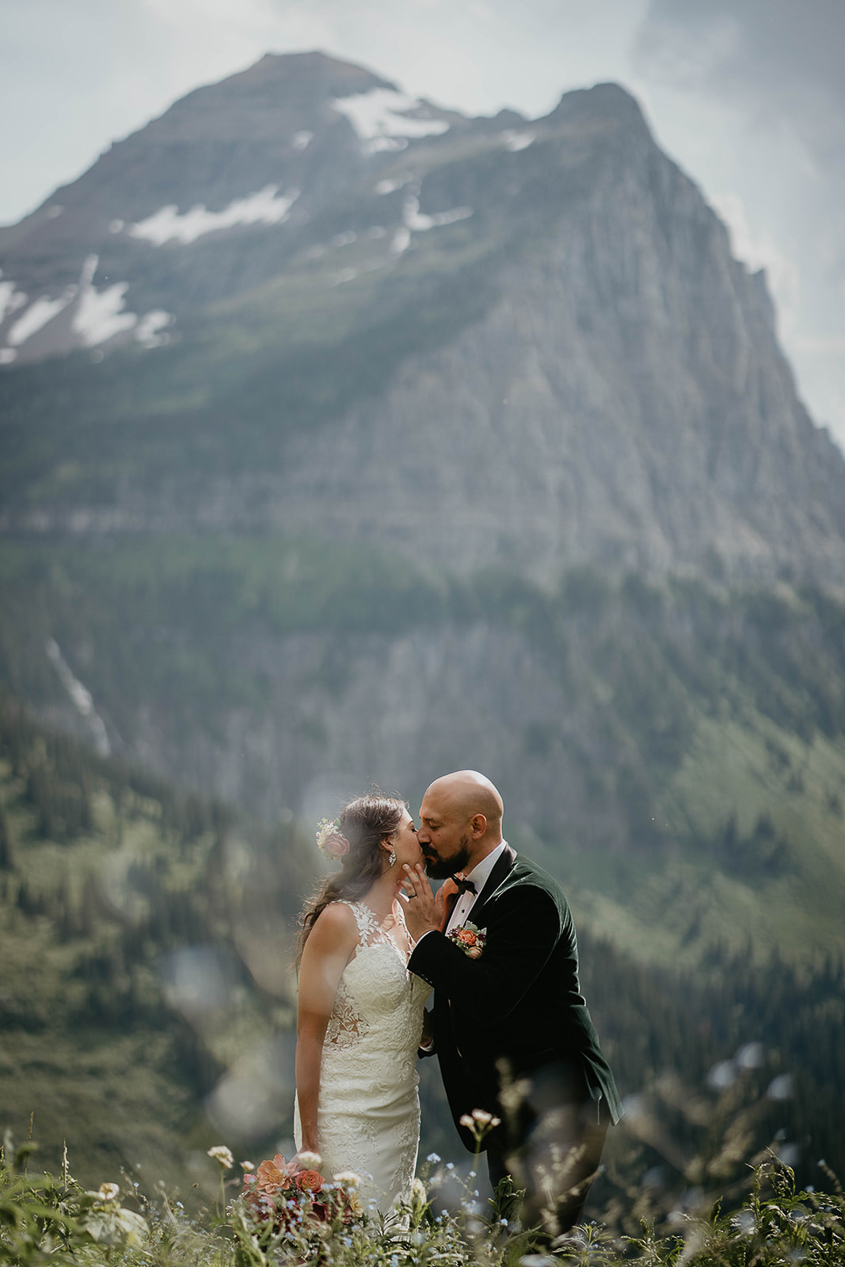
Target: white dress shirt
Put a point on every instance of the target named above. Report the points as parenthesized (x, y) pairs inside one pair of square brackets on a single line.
[(479, 876), (466, 900)]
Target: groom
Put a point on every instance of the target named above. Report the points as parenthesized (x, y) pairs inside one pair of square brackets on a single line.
[(511, 1027)]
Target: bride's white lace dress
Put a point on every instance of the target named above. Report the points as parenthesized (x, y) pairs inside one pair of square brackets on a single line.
[(369, 1111)]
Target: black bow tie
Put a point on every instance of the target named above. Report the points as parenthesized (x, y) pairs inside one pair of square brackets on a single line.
[(464, 886)]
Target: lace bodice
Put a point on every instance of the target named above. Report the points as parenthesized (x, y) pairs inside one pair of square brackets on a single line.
[(368, 1118), (369, 985)]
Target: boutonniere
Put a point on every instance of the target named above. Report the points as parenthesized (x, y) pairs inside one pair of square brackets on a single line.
[(470, 939)]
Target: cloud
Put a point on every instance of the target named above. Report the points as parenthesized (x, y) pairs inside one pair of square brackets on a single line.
[(781, 59), (751, 96)]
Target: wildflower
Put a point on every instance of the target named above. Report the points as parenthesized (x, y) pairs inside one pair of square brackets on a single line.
[(354, 1205), (348, 1179), (479, 1122), (309, 1161), (419, 1200), (247, 1165), (223, 1155), (107, 1192), (434, 1158)]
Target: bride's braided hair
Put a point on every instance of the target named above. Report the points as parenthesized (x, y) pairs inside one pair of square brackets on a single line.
[(365, 822)]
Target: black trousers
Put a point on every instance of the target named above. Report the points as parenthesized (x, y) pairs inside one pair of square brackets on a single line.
[(552, 1148)]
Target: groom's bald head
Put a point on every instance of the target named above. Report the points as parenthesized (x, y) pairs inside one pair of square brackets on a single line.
[(460, 822), (469, 792)]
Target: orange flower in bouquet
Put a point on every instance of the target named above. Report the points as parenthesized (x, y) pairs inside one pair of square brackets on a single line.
[(309, 1180)]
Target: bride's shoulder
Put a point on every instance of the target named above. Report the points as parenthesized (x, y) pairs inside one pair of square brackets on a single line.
[(334, 931), (337, 917)]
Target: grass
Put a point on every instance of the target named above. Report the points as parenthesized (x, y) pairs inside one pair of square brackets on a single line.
[(759, 1219)]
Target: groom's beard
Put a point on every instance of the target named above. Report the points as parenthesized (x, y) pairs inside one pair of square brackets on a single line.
[(438, 868)]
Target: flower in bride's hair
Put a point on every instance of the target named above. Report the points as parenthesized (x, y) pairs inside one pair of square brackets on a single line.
[(330, 840)]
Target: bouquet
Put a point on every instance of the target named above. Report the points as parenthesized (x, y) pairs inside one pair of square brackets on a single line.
[(289, 1199)]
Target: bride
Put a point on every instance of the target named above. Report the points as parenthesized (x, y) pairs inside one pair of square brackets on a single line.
[(360, 1015)]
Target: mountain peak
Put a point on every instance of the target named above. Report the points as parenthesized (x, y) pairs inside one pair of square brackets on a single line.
[(307, 77), (603, 101)]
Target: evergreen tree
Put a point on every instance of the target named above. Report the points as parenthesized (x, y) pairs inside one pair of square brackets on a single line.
[(7, 853)]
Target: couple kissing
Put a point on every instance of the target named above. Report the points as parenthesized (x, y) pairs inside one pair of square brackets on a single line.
[(509, 1025)]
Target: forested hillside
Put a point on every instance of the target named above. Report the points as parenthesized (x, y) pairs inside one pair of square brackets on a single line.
[(128, 917), (674, 748)]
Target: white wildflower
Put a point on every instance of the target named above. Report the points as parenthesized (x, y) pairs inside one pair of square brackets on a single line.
[(347, 1179), (223, 1155)]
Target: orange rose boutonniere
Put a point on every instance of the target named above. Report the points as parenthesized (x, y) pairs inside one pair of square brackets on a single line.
[(470, 939)]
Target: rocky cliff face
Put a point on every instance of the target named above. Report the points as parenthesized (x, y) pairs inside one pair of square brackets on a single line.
[(317, 305)]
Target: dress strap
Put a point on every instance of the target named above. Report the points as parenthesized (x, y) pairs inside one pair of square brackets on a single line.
[(367, 921)]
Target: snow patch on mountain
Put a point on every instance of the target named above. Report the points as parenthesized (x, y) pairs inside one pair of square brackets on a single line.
[(151, 326), (94, 316), (99, 314), (37, 315), (517, 140), (381, 119), (388, 186), (10, 299), (80, 696), (414, 219), (267, 206)]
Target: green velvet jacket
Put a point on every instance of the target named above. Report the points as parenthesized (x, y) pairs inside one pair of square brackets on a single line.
[(518, 1008)]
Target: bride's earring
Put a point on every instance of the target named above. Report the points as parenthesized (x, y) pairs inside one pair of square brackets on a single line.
[(391, 858)]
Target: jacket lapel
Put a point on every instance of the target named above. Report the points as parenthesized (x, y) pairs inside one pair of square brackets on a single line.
[(503, 865)]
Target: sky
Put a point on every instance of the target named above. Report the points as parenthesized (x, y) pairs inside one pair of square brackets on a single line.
[(748, 96)]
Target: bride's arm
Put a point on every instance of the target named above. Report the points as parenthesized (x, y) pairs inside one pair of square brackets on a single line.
[(328, 949)]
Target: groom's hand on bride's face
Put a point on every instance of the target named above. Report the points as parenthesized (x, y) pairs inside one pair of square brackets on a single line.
[(423, 911)]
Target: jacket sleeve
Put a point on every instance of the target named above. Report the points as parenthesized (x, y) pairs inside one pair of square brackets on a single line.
[(523, 927)]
